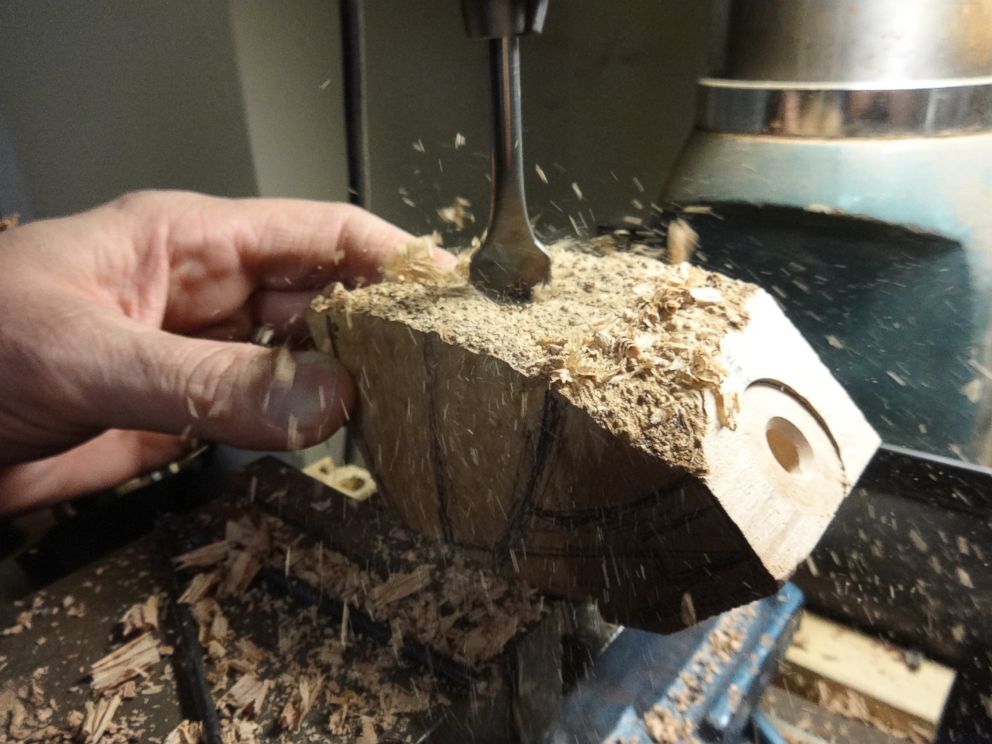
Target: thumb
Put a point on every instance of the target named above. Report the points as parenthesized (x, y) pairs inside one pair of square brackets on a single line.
[(236, 393)]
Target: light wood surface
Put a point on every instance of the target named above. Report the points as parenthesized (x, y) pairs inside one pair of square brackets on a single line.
[(844, 659)]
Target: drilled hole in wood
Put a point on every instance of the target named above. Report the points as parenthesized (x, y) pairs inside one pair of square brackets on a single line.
[(789, 447)]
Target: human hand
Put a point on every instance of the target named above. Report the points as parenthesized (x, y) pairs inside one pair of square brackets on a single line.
[(119, 331)]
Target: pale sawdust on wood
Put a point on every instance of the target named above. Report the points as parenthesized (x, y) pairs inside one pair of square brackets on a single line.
[(630, 340), (415, 263)]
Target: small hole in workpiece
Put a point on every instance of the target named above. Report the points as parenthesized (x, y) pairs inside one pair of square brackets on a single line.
[(789, 447)]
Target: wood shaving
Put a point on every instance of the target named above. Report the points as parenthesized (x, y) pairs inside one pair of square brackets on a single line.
[(489, 639), (284, 371), (252, 537), (400, 586), (246, 696), (414, 263), (22, 623), (243, 570), (665, 727), (458, 214), (203, 557), (368, 735), (199, 586), (141, 617), (187, 732), (98, 718), (441, 601), (14, 714), (240, 731), (300, 703), (133, 659), (213, 626), (682, 241)]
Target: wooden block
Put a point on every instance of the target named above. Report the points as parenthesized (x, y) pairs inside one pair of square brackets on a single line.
[(659, 438), (831, 663)]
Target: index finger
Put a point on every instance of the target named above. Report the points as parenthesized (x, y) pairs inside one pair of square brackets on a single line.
[(221, 250), (280, 242)]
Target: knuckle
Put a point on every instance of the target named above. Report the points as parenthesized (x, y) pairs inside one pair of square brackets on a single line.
[(135, 200)]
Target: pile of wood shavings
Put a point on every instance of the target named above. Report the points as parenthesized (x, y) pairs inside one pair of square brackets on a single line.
[(28, 713), (281, 673), (439, 600), (277, 670), (631, 340)]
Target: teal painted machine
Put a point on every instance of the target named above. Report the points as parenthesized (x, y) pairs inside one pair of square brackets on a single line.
[(846, 150)]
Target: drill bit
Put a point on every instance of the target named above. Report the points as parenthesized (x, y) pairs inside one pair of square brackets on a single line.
[(511, 261)]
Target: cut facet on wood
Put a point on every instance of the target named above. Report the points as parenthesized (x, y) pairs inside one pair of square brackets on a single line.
[(647, 435)]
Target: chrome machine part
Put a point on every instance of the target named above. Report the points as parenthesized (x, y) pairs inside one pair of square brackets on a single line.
[(511, 261), (851, 68), (826, 110), (849, 143), (855, 41)]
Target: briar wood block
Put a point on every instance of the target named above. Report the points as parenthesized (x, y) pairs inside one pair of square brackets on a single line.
[(658, 438)]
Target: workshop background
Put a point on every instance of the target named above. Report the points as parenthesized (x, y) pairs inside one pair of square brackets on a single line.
[(246, 98)]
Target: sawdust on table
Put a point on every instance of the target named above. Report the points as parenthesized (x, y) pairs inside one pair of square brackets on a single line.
[(630, 340)]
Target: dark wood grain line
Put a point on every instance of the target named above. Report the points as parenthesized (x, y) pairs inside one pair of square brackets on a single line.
[(606, 516), (534, 469), (432, 353)]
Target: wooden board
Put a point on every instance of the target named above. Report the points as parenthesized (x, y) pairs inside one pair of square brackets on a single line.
[(828, 659), (801, 722), (658, 438)]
